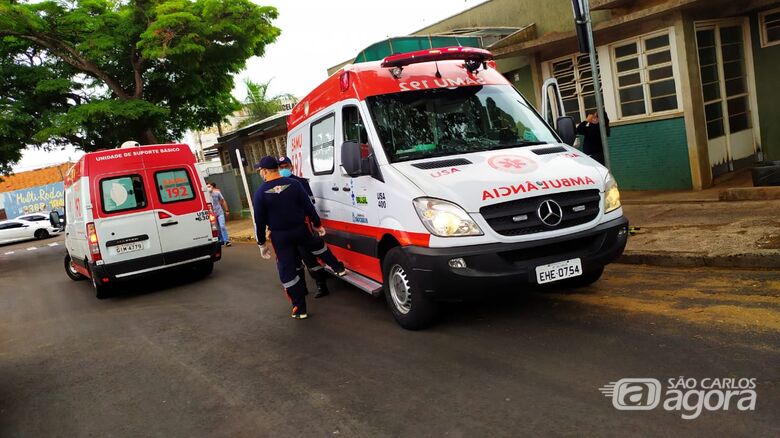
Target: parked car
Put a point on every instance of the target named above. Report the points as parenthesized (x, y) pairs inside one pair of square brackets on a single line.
[(40, 217), (19, 230)]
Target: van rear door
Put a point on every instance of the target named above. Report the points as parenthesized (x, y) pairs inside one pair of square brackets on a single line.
[(125, 218), (182, 214)]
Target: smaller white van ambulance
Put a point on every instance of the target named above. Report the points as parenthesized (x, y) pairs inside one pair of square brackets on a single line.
[(137, 210), (437, 180)]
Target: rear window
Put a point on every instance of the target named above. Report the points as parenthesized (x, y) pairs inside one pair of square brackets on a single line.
[(174, 186), (122, 193)]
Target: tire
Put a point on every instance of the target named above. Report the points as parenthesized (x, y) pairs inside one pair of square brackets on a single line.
[(101, 291), (766, 173), (583, 280), (204, 269), (70, 270), (412, 309), (41, 234)]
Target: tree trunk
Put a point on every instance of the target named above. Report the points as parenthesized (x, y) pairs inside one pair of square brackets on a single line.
[(148, 137)]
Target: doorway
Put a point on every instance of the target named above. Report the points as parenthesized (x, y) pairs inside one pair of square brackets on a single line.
[(726, 81)]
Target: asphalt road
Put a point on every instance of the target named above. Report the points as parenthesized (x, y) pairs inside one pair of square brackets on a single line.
[(221, 357)]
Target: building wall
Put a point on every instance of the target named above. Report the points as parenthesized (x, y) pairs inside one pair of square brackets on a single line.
[(651, 155), (549, 16), (766, 62), (523, 80)]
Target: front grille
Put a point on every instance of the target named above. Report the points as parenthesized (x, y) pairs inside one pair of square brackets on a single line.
[(517, 218), (428, 165)]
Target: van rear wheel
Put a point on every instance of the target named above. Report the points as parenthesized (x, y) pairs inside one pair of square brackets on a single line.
[(70, 269), (412, 309), (101, 291)]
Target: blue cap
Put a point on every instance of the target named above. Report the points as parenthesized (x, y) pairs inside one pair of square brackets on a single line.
[(285, 160), (268, 162)]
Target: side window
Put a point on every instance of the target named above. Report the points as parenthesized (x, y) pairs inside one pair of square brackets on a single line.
[(322, 145), (174, 186), (122, 193), (354, 130)]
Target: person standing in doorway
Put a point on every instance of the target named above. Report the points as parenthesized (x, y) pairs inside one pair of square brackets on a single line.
[(315, 268), (589, 129), (220, 208)]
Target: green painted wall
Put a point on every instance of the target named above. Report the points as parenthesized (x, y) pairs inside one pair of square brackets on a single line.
[(650, 155), (526, 84), (766, 62)]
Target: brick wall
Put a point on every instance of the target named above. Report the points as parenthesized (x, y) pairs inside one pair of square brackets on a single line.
[(650, 155)]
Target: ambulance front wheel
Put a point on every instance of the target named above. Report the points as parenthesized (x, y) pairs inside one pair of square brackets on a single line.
[(412, 309)]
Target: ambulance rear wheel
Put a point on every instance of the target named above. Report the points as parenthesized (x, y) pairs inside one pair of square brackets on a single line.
[(70, 269), (412, 309), (101, 291)]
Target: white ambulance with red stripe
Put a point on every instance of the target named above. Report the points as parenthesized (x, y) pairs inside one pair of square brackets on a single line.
[(437, 180), (137, 210)]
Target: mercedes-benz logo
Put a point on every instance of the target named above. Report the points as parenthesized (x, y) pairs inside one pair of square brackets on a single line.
[(550, 213)]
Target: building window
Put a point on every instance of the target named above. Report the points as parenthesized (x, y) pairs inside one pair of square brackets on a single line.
[(575, 81), (769, 22), (644, 76)]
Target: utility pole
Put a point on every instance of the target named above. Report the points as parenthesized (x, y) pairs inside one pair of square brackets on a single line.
[(585, 36)]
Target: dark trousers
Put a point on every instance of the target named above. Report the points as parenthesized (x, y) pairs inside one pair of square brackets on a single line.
[(317, 248), (288, 263)]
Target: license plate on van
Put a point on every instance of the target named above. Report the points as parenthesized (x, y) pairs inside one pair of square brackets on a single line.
[(129, 247), (558, 271)]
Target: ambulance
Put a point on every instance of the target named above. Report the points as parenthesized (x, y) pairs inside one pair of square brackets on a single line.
[(137, 210), (436, 180)]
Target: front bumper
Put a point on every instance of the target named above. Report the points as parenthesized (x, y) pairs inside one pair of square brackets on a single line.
[(504, 264), (151, 265)]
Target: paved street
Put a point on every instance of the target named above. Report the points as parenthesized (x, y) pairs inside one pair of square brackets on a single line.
[(221, 357)]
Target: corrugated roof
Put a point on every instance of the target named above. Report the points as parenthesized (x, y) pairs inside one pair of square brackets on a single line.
[(33, 178)]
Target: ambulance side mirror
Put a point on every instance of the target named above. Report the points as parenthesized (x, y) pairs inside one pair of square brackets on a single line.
[(566, 130), (352, 160)]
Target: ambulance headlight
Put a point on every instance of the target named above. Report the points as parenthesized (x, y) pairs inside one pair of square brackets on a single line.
[(611, 194), (445, 219)]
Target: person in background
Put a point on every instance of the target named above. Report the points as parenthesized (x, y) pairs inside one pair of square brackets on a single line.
[(589, 129), (316, 270), (220, 208)]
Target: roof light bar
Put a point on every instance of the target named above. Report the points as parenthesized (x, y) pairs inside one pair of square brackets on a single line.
[(441, 54)]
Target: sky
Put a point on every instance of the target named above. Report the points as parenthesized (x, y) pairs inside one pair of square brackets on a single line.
[(315, 35)]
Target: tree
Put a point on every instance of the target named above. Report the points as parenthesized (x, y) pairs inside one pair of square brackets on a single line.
[(258, 104), (94, 73)]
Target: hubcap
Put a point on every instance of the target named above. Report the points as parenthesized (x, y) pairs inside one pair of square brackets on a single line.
[(72, 268), (399, 289)]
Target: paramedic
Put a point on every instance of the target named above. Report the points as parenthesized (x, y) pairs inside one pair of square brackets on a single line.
[(316, 270)]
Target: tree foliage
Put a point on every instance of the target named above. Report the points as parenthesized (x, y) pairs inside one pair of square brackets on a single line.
[(259, 104), (94, 73)]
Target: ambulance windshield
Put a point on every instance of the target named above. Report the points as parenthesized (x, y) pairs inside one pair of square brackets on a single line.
[(449, 121)]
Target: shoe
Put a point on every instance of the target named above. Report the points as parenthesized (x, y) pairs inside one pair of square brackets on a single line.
[(342, 273), (299, 316), (228, 243), (322, 291)]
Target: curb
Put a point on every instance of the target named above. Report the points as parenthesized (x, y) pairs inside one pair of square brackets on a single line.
[(741, 261)]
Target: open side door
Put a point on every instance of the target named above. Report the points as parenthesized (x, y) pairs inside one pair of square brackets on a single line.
[(554, 113)]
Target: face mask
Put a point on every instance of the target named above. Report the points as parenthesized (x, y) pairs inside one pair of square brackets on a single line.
[(210, 189), (285, 172)]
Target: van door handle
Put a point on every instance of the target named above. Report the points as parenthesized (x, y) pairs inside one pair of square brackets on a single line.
[(335, 189), (346, 189), (168, 224)]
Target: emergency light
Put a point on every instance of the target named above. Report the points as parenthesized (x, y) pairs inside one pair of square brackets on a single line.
[(471, 55)]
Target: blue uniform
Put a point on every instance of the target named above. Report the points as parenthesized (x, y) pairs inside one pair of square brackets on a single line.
[(283, 206)]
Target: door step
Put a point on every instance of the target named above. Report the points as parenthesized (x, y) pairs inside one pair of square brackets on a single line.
[(360, 281)]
